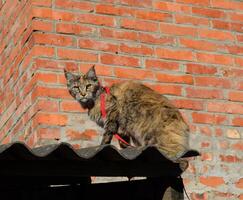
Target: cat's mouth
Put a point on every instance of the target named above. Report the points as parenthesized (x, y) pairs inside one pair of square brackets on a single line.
[(86, 103)]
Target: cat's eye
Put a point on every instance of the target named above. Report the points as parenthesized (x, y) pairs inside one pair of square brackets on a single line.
[(76, 88), (88, 86)]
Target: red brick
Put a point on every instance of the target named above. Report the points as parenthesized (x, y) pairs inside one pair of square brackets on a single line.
[(196, 2), (239, 61), (41, 25), (236, 27), (236, 96), (77, 54), (235, 108), (167, 89), (48, 13), (43, 51), (161, 65), (53, 39), (172, 7), (97, 45), (71, 106), (88, 134), (138, 49), (229, 158), (239, 38), (237, 121), (216, 35), (204, 93), (123, 35), (74, 5), (49, 133), (174, 54), (188, 104), (200, 44), (238, 146), (200, 69), (197, 21), (178, 30), (77, 29), (139, 25), (138, 3), (215, 58), (207, 12), (206, 118), (42, 91), (218, 24), (155, 39), (114, 10), (133, 74), (169, 78), (47, 105), (236, 16), (212, 181), (96, 20), (41, 3), (227, 4), (156, 16), (51, 119), (119, 60), (212, 82)]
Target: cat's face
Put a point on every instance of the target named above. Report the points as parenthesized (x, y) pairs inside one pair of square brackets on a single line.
[(83, 88)]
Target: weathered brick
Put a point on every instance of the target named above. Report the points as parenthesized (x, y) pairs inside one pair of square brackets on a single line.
[(206, 118), (204, 93), (74, 5), (206, 12), (77, 54), (172, 7), (51, 119), (174, 54), (164, 78), (200, 69), (119, 60), (97, 45), (216, 35), (71, 106), (196, 21), (212, 181), (188, 104), (133, 74), (196, 2), (235, 108), (161, 65), (139, 25), (237, 121), (215, 58), (178, 30), (140, 50), (88, 134)]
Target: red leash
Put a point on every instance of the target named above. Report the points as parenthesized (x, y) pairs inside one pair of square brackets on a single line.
[(104, 114)]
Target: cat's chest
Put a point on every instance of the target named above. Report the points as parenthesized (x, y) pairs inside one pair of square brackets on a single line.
[(95, 115)]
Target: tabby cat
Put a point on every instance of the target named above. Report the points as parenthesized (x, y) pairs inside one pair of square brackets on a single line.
[(135, 112)]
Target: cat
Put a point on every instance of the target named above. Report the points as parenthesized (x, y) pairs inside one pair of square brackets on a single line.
[(134, 111)]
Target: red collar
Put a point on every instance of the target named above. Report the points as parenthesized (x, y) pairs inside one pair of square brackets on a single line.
[(104, 114)]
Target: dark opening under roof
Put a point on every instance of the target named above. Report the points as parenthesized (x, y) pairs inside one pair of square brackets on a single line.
[(61, 160)]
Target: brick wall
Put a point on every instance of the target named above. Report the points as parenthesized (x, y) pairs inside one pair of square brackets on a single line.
[(189, 50)]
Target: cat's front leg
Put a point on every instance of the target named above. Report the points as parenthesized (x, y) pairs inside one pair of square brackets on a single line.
[(107, 137), (111, 128)]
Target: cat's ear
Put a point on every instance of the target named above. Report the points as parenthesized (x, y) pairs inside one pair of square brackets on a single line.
[(91, 74), (70, 76)]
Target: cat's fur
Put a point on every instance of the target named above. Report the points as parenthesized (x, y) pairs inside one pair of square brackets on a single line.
[(134, 111)]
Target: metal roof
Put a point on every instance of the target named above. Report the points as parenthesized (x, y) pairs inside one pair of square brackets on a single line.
[(62, 160)]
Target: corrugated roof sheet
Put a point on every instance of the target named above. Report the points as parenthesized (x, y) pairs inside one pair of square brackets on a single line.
[(61, 160)]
